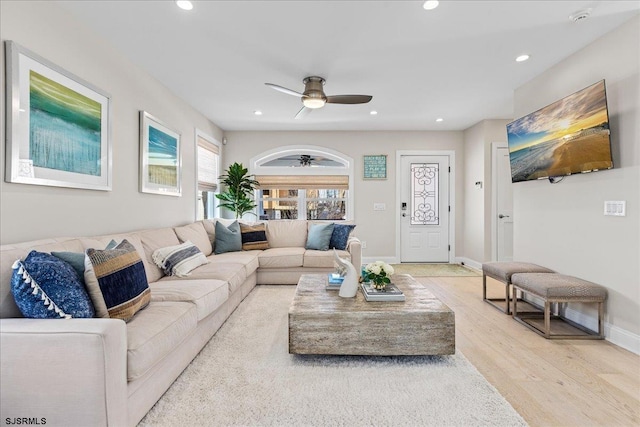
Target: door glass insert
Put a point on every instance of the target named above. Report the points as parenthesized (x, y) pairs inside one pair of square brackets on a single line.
[(424, 193)]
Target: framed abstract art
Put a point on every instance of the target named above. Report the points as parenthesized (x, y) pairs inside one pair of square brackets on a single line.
[(58, 125)]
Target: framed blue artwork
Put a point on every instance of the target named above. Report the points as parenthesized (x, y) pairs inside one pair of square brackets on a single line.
[(58, 125), (375, 166), (160, 161)]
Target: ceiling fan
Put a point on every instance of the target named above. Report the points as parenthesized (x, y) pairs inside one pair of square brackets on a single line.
[(314, 97), (305, 160)]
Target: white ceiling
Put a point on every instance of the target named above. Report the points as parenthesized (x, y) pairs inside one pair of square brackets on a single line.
[(455, 62)]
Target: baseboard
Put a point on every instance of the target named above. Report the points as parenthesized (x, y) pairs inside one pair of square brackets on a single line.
[(469, 263), (622, 338)]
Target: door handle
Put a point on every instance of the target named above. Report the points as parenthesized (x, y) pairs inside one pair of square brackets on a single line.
[(404, 214), (503, 216)]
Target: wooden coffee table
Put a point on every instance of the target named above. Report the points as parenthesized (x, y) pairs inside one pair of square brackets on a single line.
[(321, 322)]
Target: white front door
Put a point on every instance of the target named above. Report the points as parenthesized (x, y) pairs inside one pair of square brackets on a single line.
[(504, 206), (424, 209)]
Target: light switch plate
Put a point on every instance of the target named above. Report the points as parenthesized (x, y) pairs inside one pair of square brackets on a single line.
[(379, 206), (615, 208)]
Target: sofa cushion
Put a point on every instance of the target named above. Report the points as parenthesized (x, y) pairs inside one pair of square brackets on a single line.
[(153, 240), (116, 281), (196, 234), (248, 258), (45, 287), (319, 236), (281, 257), (207, 294), (287, 233), (157, 331), (228, 238), (254, 236), (231, 272), (322, 259), (179, 260), (340, 236)]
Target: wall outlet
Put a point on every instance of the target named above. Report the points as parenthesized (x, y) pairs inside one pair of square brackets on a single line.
[(364, 244), (379, 206)]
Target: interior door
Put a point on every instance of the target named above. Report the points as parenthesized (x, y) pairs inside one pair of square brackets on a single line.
[(424, 209), (504, 206)]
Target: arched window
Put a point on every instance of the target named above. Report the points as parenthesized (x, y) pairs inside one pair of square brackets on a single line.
[(304, 182)]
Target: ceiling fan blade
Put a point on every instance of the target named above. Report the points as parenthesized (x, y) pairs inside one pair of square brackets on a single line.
[(284, 90), (349, 99), (302, 113)]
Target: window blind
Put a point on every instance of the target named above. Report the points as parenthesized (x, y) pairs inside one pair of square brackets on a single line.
[(208, 155), (312, 182)]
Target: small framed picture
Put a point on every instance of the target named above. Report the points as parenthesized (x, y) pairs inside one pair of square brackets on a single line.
[(58, 125), (375, 166), (160, 160)]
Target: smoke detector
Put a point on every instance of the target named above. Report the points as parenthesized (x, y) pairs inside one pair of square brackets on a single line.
[(580, 15)]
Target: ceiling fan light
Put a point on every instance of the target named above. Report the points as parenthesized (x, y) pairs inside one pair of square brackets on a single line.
[(313, 102)]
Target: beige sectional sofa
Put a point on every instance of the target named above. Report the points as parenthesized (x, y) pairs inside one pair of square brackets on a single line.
[(99, 372)]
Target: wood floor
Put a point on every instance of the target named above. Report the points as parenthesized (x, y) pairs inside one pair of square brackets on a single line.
[(549, 382)]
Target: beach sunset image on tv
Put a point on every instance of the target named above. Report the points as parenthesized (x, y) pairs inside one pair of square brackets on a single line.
[(569, 136)]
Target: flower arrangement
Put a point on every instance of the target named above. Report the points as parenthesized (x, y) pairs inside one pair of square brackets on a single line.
[(378, 272)]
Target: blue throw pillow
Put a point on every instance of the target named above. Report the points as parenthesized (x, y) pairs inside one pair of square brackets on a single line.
[(319, 236), (228, 239), (45, 287), (340, 236)]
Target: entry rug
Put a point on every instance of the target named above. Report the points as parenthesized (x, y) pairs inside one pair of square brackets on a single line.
[(435, 270), (246, 377)]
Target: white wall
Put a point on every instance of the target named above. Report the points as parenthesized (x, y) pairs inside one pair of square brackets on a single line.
[(33, 212), (477, 201), (377, 228), (562, 226)]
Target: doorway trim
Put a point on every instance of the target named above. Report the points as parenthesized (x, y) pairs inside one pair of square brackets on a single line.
[(452, 195), (494, 197)]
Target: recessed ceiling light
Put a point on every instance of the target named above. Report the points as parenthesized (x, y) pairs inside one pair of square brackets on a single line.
[(184, 4), (257, 113), (522, 58), (374, 113), (430, 4), (439, 119)]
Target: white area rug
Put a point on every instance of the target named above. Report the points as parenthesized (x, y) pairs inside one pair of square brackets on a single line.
[(246, 377)]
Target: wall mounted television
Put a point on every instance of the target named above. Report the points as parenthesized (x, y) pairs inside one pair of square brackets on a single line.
[(567, 137)]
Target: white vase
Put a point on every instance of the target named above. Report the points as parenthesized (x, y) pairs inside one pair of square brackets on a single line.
[(349, 286)]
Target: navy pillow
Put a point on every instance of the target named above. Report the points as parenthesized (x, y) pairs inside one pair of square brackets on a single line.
[(228, 239), (319, 236), (340, 236), (45, 287)]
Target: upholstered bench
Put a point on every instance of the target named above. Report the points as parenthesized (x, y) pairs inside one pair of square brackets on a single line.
[(502, 272), (558, 289)]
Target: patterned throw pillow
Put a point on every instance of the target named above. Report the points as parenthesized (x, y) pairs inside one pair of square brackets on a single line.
[(340, 236), (116, 281), (254, 237), (319, 236), (179, 260), (228, 239), (45, 287)]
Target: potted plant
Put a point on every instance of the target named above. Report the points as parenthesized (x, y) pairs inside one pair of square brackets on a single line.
[(239, 189)]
